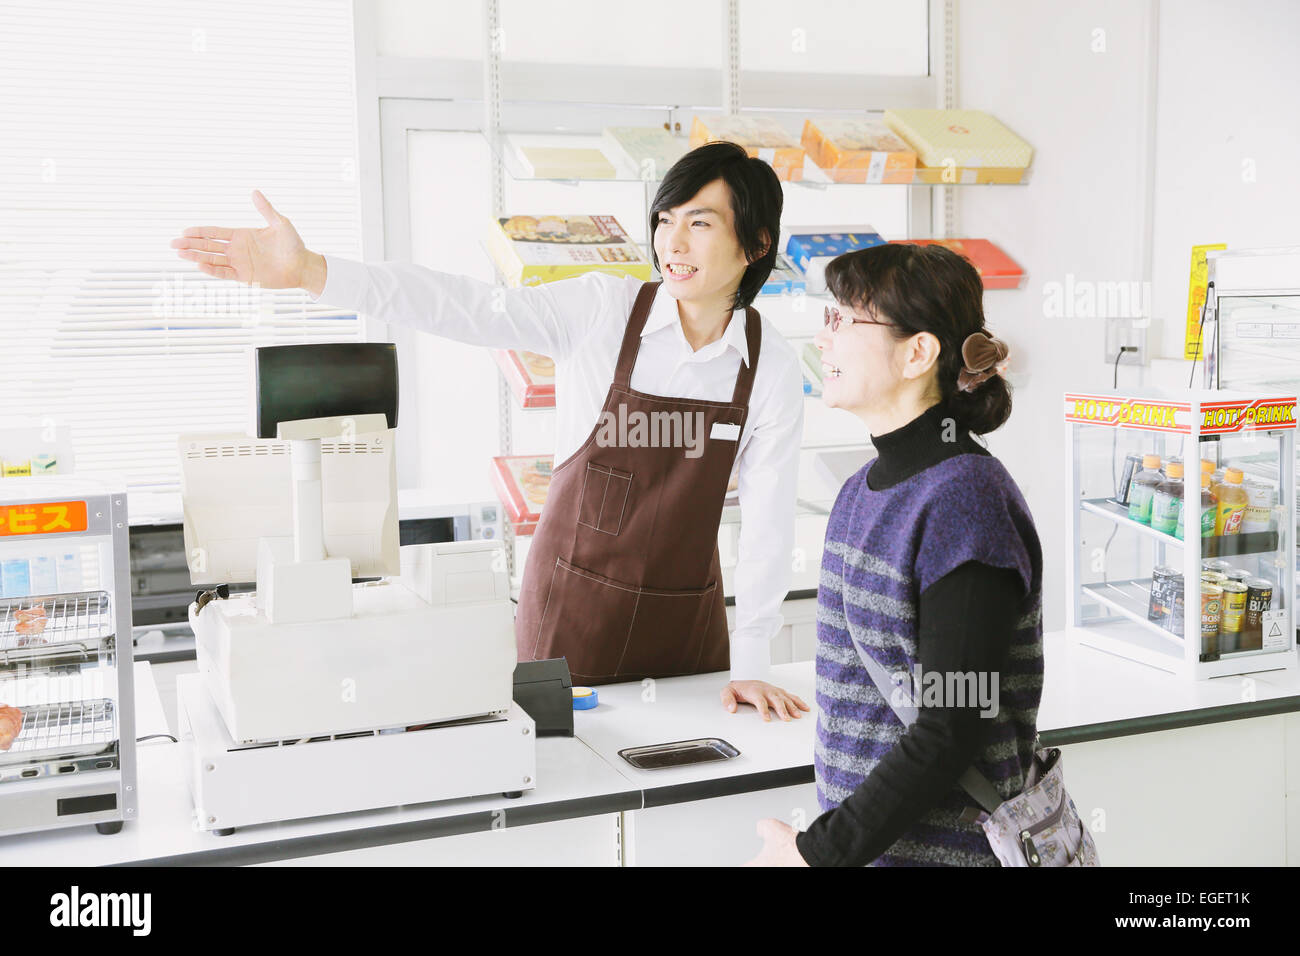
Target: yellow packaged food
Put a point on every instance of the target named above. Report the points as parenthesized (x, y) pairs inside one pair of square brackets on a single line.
[(961, 146), (530, 250), (761, 137), (858, 151)]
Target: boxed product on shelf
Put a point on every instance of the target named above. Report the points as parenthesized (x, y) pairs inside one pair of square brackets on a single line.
[(558, 162), (762, 138), (961, 146), (811, 251), (858, 150), (531, 376), (651, 151), (996, 268), (521, 482), (530, 250), (784, 278)]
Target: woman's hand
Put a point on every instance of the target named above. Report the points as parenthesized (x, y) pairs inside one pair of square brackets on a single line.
[(779, 848), (762, 695), (273, 257)]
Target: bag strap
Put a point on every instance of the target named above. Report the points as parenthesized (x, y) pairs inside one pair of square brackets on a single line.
[(975, 784)]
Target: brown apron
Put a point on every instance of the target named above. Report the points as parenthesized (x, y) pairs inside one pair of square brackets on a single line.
[(623, 576)]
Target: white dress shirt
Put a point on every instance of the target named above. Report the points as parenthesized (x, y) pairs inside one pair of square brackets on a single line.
[(579, 323)]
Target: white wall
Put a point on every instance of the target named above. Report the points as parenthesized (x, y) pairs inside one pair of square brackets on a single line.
[(1227, 140), (1070, 78), (1033, 65)]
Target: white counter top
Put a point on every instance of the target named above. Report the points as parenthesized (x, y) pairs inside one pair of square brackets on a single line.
[(1087, 695), (775, 753)]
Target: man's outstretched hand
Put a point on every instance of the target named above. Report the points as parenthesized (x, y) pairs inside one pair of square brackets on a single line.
[(273, 257)]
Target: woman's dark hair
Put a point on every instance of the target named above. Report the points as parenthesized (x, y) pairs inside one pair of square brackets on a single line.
[(926, 289), (756, 201)]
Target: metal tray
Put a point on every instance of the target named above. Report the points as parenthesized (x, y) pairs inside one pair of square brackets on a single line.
[(680, 753), (76, 623), (63, 731)]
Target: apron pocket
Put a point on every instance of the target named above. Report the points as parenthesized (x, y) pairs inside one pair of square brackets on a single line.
[(604, 498), (586, 619), (667, 633)]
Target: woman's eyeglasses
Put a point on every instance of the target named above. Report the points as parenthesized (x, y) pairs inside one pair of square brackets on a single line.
[(834, 317)]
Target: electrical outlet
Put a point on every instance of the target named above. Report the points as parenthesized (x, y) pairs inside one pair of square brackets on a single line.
[(1131, 332)]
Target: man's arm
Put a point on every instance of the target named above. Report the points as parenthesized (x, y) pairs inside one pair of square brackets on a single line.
[(549, 319), (768, 488)]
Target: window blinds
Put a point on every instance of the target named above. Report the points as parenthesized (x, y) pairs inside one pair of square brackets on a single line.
[(120, 125)]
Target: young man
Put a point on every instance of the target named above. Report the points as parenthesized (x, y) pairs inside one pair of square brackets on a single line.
[(623, 576)]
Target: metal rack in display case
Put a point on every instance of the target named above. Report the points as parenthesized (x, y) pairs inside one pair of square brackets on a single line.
[(1135, 588), (65, 655)]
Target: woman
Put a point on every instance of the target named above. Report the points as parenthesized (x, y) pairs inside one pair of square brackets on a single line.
[(931, 561), (623, 575)]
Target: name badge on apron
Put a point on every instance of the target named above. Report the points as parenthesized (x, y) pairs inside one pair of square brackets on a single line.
[(725, 432)]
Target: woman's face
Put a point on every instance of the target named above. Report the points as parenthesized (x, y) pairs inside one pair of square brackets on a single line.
[(699, 254), (862, 362)]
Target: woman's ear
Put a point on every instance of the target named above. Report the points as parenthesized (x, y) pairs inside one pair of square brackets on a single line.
[(766, 240), (922, 355)]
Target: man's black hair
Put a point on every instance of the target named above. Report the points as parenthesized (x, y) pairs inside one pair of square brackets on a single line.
[(756, 201)]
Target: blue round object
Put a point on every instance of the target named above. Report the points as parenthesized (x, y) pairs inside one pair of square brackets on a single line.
[(584, 698)]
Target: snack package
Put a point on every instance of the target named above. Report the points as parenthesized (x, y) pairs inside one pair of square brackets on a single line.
[(762, 138), (531, 377), (522, 483), (530, 250), (858, 150), (961, 146), (996, 268)]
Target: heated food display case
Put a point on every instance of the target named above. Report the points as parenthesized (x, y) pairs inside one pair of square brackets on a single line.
[(1151, 474), (67, 732)]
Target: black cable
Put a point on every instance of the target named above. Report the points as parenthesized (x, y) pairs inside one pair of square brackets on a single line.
[(141, 740)]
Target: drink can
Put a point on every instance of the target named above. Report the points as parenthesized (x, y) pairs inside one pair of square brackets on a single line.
[(1213, 577), (1232, 616), (1236, 574), (1216, 564), (1176, 601), (1259, 598), (1211, 614), (1132, 465), (1158, 606)]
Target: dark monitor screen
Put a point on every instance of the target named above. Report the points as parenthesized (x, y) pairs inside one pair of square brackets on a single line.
[(325, 380)]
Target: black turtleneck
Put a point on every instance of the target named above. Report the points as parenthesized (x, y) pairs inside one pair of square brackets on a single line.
[(931, 437), (965, 622)]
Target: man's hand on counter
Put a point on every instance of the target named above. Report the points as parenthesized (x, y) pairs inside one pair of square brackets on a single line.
[(763, 696), (273, 257), (779, 848)]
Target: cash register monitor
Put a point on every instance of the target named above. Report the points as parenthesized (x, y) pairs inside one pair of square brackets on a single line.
[(236, 490), (323, 380)]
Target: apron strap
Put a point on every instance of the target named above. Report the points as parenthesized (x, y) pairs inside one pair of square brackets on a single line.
[(754, 339), (632, 334)]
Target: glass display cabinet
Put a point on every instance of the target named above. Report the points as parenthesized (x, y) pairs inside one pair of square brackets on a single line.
[(1181, 529), (1251, 324), (67, 728)]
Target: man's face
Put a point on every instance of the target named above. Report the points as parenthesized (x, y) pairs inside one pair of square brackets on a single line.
[(699, 254)]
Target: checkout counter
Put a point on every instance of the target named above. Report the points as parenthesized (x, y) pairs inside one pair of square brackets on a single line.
[(1150, 761), (1151, 757)]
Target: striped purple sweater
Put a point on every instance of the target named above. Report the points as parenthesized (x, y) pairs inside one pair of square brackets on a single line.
[(883, 549)]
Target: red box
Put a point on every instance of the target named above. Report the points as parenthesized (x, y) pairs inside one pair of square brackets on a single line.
[(522, 482), (531, 377), (996, 268)]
